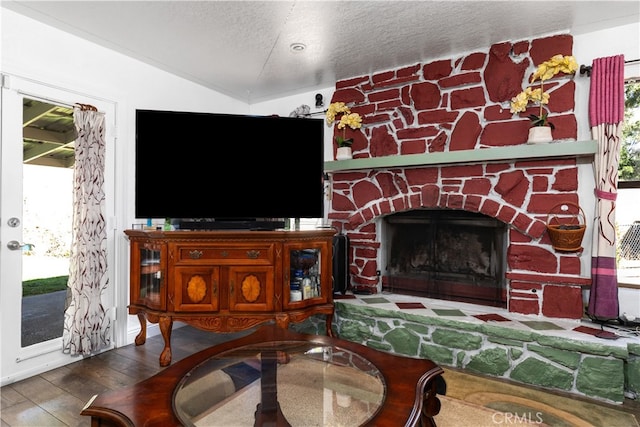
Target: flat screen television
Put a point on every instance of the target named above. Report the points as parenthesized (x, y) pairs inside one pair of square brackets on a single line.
[(212, 170)]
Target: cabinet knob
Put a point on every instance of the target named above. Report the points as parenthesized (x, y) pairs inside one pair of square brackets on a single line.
[(195, 254), (253, 254)]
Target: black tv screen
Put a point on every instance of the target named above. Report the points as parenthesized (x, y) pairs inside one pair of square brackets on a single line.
[(228, 167)]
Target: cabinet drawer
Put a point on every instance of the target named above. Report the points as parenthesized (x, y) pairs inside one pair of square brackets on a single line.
[(228, 254)]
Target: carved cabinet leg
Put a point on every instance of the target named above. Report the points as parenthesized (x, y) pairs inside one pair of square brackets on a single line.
[(141, 338), (166, 323), (282, 320), (329, 324)]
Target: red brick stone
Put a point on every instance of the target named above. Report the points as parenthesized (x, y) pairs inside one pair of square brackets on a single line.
[(414, 146), (370, 268), (430, 196), (455, 201), (382, 143), (463, 171), (388, 105), (477, 186), (425, 96), (490, 208), (566, 127), (530, 164), (386, 184), (497, 112), (460, 80), (562, 301), (422, 176), (520, 47), (538, 229), (473, 61), (355, 81), (569, 264), (472, 203), (503, 77), (408, 71), (399, 204), (419, 132), (384, 206), (566, 180), (506, 214), (397, 82), (381, 77), (467, 98), (543, 203), (561, 100), (523, 306), (517, 236), (543, 49), (522, 222), (437, 116), (365, 192), (531, 258), (528, 287), (384, 95), (438, 144), (502, 134), (348, 96), (437, 70), (513, 187), (494, 168), (341, 204), (407, 114), (540, 184), (465, 134)]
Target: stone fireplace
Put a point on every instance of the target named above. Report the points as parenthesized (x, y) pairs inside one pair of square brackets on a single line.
[(439, 137)]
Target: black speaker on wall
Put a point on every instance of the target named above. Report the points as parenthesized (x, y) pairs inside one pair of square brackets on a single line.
[(340, 263)]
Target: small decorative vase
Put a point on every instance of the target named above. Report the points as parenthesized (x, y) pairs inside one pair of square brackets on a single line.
[(344, 153), (539, 135)]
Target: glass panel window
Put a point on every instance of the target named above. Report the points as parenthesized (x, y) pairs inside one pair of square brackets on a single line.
[(627, 214)]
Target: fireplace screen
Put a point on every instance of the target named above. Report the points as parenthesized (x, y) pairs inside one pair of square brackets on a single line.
[(446, 254)]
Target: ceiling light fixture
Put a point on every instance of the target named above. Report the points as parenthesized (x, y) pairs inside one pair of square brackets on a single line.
[(297, 47)]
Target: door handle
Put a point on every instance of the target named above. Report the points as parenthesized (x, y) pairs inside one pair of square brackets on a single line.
[(14, 245)]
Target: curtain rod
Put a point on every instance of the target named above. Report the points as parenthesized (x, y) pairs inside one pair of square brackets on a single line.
[(586, 69)]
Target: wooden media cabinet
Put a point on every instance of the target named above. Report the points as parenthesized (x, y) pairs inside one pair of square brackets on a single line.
[(226, 281)]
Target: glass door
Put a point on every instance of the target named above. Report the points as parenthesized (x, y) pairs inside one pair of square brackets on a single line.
[(36, 184)]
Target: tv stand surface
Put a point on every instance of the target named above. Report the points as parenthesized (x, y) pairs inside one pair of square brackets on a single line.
[(228, 280), (231, 225)]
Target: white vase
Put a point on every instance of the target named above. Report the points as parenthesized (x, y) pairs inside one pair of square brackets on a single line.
[(344, 153), (539, 135)]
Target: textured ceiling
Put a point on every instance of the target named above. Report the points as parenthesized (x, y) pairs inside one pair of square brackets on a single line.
[(241, 48)]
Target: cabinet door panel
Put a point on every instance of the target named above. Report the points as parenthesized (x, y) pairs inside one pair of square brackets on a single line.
[(307, 274), (196, 289), (251, 288), (148, 262)]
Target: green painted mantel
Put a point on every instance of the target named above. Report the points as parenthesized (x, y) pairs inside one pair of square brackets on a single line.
[(495, 154)]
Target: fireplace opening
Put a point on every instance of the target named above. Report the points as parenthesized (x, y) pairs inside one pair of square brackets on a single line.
[(446, 254)]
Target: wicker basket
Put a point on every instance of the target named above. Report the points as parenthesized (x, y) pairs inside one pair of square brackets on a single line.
[(566, 226)]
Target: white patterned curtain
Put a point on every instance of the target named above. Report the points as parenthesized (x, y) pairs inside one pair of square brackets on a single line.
[(606, 114), (87, 328)]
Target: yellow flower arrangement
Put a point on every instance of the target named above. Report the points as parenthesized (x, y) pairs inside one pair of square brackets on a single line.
[(347, 118), (546, 70)]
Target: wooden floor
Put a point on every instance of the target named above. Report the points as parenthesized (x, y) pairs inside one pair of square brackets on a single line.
[(55, 398)]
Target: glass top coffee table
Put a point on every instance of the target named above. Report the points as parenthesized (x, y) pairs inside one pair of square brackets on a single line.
[(277, 377)]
